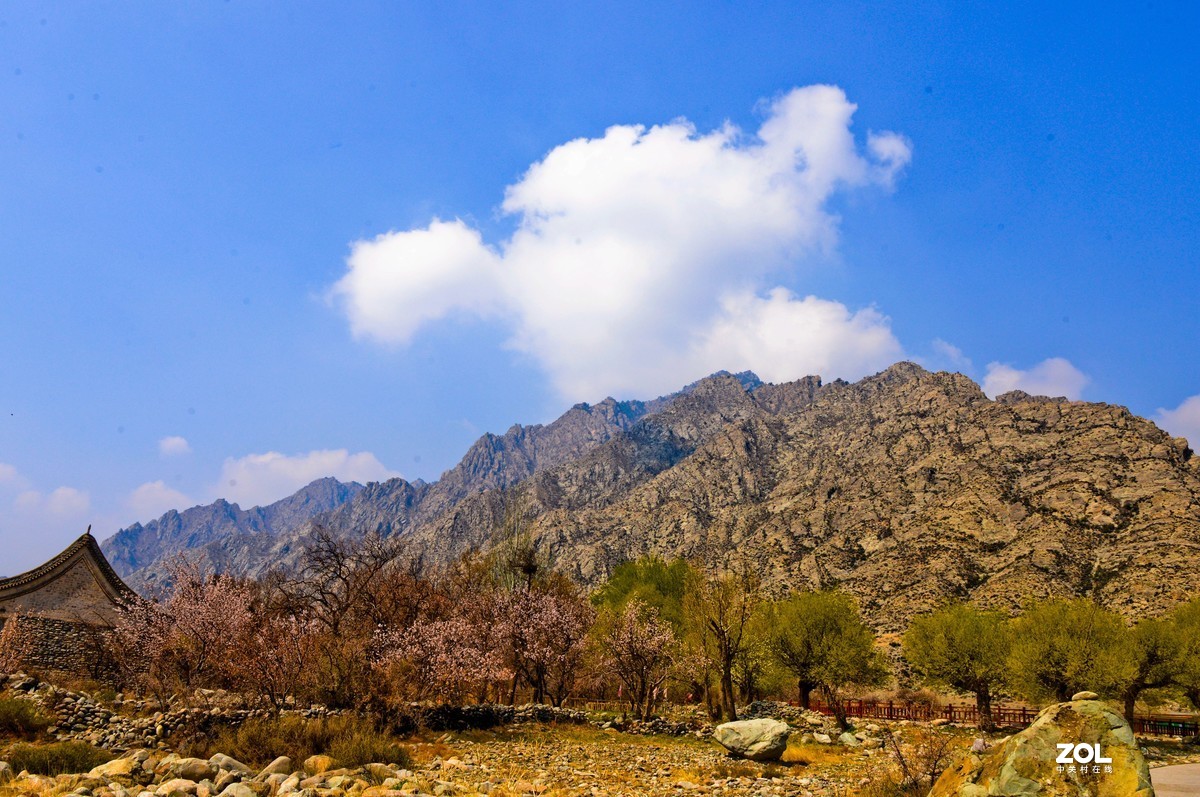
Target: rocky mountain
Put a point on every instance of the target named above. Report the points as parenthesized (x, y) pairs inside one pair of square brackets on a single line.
[(225, 538), (140, 552), (906, 488)]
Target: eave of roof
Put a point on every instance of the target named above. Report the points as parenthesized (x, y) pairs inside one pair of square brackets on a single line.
[(87, 545)]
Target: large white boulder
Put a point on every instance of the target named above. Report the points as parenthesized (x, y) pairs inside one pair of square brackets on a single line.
[(759, 740)]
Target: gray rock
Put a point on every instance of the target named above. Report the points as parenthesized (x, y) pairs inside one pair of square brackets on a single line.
[(758, 740), (280, 766), (1085, 696), (231, 764), (196, 769), (849, 739), (822, 738), (238, 790)]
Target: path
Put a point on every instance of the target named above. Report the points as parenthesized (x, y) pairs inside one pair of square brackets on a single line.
[(1182, 780)]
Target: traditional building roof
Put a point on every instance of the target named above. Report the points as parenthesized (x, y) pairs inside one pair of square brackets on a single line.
[(78, 585)]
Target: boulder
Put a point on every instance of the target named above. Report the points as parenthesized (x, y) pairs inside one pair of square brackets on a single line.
[(238, 790), (280, 766), (758, 740), (117, 768), (176, 787), (6, 773), (230, 764), (1028, 763), (196, 769), (318, 764), (849, 739)]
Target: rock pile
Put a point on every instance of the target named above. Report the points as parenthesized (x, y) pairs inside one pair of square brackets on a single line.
[(78, 716), (793, 715)]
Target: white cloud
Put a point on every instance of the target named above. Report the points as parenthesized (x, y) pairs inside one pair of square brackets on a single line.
[(152, 499), (62, 502), (1055, 376), (1183, 421), (174, 446), (639, 257), (784, 336), (947, 356), (399, 281), (8, 474), (259, 479)]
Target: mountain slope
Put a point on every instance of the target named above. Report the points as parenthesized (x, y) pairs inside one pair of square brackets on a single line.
[(141, 551), (907, 488), (225, 538)]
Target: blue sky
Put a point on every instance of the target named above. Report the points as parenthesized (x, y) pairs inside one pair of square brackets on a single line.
[(306, 238)]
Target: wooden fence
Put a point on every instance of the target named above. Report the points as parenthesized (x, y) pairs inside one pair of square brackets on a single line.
[(1004, 716)]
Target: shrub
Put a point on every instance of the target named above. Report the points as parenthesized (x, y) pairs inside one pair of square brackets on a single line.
[(368, 747), (21, 718), (59, 758), (350, 740)]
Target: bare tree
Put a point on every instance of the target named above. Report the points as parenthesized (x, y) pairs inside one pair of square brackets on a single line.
[(338, 590)]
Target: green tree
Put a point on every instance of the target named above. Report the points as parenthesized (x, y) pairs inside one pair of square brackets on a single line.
[(1065, 646), (1160, 658), (961, 647), (822, 640), (719, 610), (651, 580), (1186, 620)]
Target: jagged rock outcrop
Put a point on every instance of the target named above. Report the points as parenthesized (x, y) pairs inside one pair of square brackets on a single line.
[(907, 488)]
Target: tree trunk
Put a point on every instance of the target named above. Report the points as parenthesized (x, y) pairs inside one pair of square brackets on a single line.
[(728, 707), (806, 690), (836, 706), (1131, 696), (983, 705)]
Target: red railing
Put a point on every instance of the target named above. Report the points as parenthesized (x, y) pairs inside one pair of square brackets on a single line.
[(1004, 716)]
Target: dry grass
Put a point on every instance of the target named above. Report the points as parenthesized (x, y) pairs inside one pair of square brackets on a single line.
[(59, 758), (805, 755), (350, 740), (34, 786), (735, 768), (22, 719)]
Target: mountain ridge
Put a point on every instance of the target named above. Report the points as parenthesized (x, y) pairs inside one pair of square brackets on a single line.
[(908, 488)]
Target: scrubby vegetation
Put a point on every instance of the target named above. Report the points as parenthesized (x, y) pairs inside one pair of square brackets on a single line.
[(54, 759), (350, 740), (21, 718)]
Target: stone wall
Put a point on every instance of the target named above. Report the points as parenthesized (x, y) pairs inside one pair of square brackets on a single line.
[(64, 646)]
